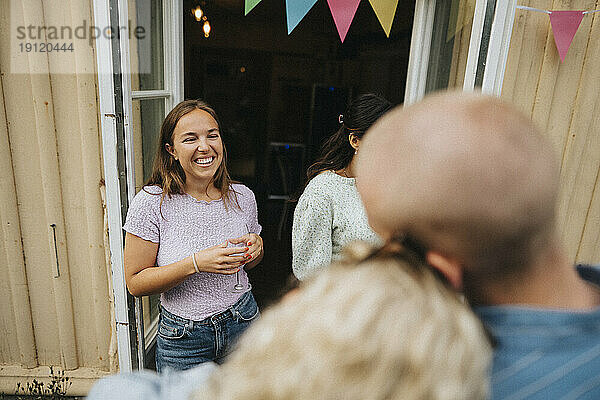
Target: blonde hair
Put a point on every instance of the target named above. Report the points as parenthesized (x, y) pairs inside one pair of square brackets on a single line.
[(383, 328)]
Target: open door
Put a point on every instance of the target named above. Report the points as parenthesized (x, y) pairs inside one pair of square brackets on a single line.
[(140, 80), (153, 65)]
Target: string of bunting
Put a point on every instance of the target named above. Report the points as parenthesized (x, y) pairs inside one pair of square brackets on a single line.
[(342, 11), (564, 23), (564, 26)]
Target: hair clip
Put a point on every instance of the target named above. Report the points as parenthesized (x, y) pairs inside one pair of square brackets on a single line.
[(341, 118)]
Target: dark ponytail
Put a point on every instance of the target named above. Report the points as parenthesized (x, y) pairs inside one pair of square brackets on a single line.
[(336, 152)]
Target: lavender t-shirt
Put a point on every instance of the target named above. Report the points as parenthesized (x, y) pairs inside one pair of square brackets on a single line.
[(186, 226)]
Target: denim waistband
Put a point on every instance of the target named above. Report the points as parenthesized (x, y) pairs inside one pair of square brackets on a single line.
[(231, 312)]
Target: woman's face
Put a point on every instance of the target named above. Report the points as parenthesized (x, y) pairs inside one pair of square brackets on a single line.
[(197, 146)]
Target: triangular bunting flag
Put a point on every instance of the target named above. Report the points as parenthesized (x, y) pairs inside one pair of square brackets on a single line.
[(296, 10), (564, 26), (250, 4), (385, 10), (343, 13)]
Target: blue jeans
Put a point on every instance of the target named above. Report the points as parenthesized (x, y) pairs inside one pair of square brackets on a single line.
[(182, 343)]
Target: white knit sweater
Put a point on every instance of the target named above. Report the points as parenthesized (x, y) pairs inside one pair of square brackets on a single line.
[(328, 216)]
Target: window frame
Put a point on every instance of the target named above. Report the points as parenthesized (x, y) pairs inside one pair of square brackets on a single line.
[(497, 51)]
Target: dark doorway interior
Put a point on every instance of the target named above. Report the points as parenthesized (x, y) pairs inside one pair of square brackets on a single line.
[(279, 97)]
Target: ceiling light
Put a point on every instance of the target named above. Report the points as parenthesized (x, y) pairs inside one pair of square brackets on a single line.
[(198, 13), (206, 28)]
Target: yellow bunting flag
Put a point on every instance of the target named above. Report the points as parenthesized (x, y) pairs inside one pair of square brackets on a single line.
[(250, 4), (385, 11)]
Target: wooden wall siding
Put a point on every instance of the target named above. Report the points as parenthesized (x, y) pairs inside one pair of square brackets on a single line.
[(563, 100), (50, 146)]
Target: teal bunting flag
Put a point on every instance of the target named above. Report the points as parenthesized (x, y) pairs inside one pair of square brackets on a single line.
[(296, 10)]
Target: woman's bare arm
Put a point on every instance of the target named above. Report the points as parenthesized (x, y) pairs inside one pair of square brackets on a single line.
[(143, 277)]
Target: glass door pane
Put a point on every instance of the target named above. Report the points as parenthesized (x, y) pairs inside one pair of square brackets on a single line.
[(147, 117), (147, 45), (450, 41)]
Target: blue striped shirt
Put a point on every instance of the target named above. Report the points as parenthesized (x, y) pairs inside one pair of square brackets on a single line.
[(545, 354)]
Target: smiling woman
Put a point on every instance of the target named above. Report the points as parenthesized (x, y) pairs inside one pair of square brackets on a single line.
[(179, 228), (198, 147)]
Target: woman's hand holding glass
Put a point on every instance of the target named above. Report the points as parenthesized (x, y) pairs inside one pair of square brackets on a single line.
[(221, 259), (254, 245)]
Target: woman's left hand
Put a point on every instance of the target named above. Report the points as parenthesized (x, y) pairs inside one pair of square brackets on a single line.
[(255, 246)]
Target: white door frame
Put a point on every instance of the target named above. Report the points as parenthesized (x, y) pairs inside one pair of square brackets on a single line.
[(497, 55), (420, 45), (112, 176), (474, 45)]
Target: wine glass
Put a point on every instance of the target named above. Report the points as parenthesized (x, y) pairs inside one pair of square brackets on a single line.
[(238, 287)]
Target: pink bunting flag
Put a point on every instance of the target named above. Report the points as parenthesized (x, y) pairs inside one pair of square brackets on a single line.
[(564, 26), (343, 12)]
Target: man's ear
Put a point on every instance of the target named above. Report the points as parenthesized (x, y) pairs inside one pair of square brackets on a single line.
[(449, 267)]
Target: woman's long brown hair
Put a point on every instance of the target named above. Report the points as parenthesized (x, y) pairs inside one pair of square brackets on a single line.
[(168, 174)]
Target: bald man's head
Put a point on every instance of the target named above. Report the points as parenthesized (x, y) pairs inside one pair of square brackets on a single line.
[(465, 175)]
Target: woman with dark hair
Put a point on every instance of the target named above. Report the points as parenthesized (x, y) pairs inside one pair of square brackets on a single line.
[(184, 232), (329, 213)]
